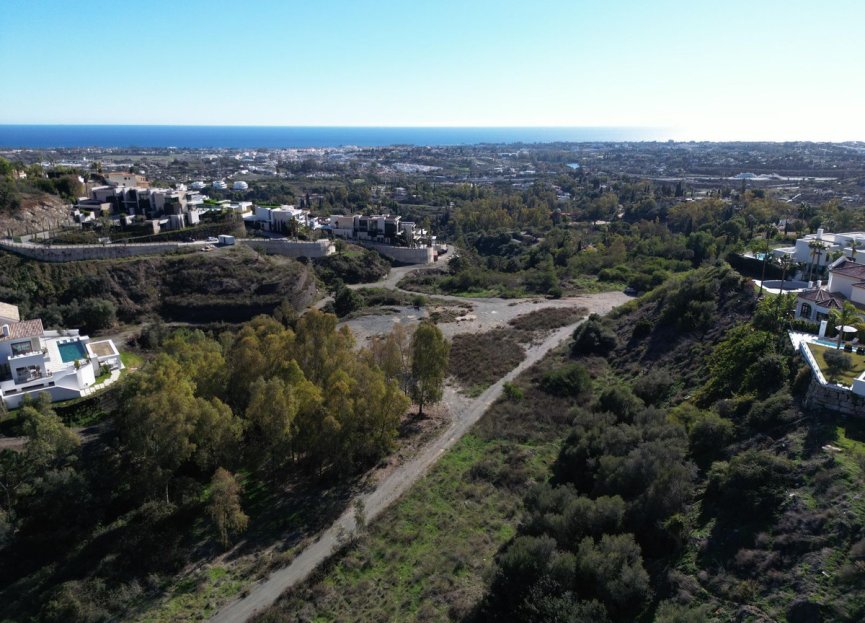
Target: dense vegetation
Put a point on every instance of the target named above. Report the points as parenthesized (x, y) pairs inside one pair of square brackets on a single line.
[(86, 532), (708, 508)]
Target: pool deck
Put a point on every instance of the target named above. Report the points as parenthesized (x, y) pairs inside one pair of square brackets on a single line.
[(757, 283)]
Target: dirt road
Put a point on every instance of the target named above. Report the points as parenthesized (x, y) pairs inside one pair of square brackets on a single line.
[(465, 412)]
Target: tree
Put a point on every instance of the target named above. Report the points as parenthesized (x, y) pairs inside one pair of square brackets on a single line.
[(271, 411), (429, 364), (836, 363), (817, 247), (611, 569), (392, 353), (848, 315), (158, 422), (224, 506), (346, 301)]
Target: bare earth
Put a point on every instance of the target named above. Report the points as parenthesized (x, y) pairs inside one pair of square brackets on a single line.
[(465, 412)]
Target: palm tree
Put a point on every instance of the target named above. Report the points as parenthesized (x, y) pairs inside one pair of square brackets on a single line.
[(817, 247), (786, 262), (854, 246), (847, 315)]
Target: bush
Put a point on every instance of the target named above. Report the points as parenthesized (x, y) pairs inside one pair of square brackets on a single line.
[(752, 482), (346, 301), (620, 401), (593, 337), (837, 362), (612, 570), (653, 387), (513, 392), (642, 328), (571, 380), (775, 411), (708, 437)]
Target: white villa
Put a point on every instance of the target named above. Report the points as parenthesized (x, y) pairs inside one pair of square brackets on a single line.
[(63, 363), (832, 243), (278, 219), (382, 228), (846, 283)]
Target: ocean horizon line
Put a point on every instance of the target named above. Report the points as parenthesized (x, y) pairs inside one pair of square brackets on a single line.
[(46, 136)]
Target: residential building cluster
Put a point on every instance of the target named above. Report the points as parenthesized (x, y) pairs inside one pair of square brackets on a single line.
[(381, 228), (823, 248)]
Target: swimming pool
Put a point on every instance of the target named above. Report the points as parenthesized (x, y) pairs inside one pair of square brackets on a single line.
[(71, 351)]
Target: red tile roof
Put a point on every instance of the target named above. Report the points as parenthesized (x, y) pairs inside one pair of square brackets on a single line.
[(26, 328), (850, 269), (823, 298)]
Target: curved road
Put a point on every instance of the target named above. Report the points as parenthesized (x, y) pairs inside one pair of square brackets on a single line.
[(265, 593)]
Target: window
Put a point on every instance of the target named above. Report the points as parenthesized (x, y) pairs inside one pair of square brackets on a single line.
[(19, 348), (805, 311)]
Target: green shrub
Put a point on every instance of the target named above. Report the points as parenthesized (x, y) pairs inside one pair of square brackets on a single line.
[(654, 387), (753, 483), (772, 412), (593, 337), (346, 301), (513, 392), (571, 380), (837, 362), (620, 401), (708, 437)]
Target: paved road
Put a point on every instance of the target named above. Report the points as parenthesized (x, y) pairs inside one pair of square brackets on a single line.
[(389, 489)]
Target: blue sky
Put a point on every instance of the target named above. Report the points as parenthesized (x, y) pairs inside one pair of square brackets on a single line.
[(728, 69)]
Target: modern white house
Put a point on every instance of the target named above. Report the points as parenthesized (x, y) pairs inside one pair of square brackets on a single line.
[(277, 219), (64, 364), (382, 228), (832, 244)]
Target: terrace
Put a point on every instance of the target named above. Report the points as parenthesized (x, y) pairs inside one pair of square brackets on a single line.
[(814, 349)]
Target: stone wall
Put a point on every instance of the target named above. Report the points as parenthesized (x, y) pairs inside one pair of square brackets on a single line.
[(833, 398), (404, 255), (291, 248), (79, 252)]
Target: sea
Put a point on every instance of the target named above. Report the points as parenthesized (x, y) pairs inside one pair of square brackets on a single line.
[(285, 137)]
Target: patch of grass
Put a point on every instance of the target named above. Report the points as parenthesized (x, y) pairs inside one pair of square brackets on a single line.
[(480, 359), (587, 284), (427, 557), (847, 376), (197, 596), (130, 359), (548, 319)]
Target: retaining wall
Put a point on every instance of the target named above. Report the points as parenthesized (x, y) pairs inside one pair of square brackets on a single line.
[(404, 255), (79, 252), (291, 248), (833, 398)]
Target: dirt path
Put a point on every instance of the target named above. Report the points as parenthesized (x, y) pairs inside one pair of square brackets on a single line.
[(465, 412)]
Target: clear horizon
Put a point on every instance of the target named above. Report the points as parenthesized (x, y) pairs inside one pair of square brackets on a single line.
[(740, 71)]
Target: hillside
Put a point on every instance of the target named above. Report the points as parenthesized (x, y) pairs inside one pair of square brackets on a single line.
[(231, 285), (657, 469), (35, 211)]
